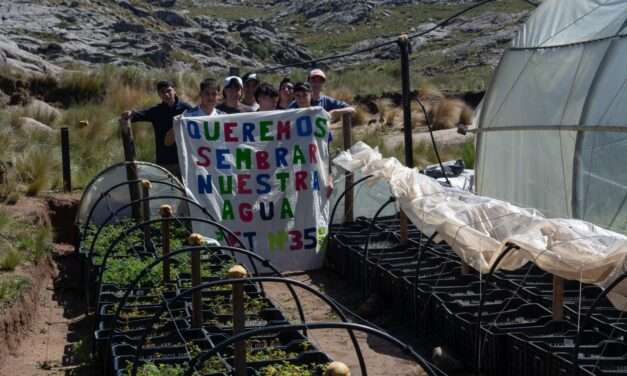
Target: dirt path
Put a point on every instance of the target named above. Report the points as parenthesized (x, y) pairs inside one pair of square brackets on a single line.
[(381, 357), (59, 328)]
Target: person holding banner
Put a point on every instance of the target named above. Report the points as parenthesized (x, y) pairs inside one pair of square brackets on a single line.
[(286, 94), (232, 92), (302, 95), (209, 91), (334, 107), (161, 116), (266, 95), (249, 102)]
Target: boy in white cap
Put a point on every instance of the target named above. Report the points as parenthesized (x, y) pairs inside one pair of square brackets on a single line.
[(333, 106), (232, 92)]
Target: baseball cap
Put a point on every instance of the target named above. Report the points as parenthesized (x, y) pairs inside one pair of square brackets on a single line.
[(231, 80), (302, 86), (317, 73), (250, 77)]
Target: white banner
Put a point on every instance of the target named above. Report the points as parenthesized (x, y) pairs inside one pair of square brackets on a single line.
[(263, 175)]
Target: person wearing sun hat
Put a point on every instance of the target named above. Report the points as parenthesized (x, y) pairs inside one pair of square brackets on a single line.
[(335, 107), (232, 92)]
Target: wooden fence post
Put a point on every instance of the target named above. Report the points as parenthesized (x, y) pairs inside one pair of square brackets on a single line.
[(65, 158), (239, 318), (197, 319), (166, 212), (131, 167)]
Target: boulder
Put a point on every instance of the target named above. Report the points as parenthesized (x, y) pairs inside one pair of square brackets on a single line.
[(128, 27), (172, 18), (4, 99), (139, 12), (163, 3), (43, 109), (31, 126), (15, 57)]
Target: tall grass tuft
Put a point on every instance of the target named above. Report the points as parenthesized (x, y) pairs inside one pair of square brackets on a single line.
[(34, 167), (10, 259)]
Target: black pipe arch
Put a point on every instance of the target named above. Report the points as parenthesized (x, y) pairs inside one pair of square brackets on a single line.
[(127, 182), (231, 281), (139, 201), (406, 349), (265, 262)]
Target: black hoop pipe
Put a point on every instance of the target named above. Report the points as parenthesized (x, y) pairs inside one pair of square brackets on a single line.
[(139, 201), (265, 262), (287, 281), (585, 321), (422, 247), (406, 349), (366, 246), (106, 193), (150, 222), (498, 260), (337, 202)]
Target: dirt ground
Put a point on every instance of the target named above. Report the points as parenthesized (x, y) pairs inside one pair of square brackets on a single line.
[(53, 345), (381, 357), (58, 341), (59, 326)]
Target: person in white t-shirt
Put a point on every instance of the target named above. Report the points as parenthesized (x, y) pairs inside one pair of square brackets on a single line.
[(209, 92), (248, 101)]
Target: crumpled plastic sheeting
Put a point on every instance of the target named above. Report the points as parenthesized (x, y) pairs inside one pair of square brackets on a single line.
[(479, 228)]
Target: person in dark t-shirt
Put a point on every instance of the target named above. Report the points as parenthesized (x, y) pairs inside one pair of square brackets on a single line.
[(161, 116)]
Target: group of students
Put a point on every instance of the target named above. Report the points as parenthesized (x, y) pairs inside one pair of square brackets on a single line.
[(246, 94)]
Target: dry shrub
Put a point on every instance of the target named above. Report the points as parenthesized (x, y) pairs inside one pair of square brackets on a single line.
[(342, 93), (122, 97), (360, 116), (390, 117), (448, 113)]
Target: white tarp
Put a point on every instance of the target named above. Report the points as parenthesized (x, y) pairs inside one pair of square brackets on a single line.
[(478, 228), (552, 129), (264, 176), (118, 197)]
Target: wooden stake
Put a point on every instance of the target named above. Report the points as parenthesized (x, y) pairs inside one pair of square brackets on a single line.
[(131, 168), (146, 185), (404, 232), (197, 319), (239, 318), (347, 125), (166, 212), (558, 298)]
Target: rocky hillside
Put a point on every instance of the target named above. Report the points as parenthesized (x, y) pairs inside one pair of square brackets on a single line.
[(47, 35)]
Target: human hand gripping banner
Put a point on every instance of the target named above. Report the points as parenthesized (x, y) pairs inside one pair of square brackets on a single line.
[(264, 176)]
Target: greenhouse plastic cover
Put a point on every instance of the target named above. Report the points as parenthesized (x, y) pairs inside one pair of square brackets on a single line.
[(120, 196), (562, 92), (479, 228)]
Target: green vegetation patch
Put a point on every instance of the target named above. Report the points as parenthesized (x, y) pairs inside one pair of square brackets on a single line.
[(11, 288)]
